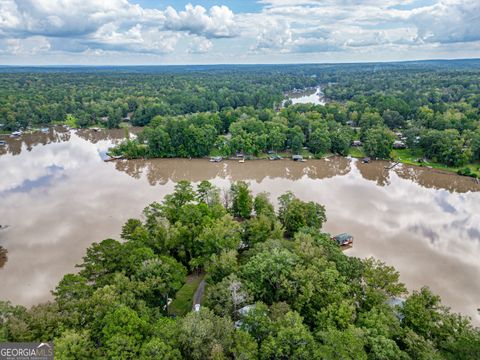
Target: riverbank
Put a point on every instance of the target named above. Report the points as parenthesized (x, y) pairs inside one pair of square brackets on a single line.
[(404, 156), (411, 157)]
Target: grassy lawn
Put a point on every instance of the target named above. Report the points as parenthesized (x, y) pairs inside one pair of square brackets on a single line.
[(408, 156), (306, 154), (215, 152), (411, 157), (356, 152), (182, 303), (124, 125)]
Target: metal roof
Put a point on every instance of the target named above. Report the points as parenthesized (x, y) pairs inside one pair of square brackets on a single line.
[(343, 237)]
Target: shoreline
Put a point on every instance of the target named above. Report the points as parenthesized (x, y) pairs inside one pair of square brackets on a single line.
[(354, 152), (433, 167)]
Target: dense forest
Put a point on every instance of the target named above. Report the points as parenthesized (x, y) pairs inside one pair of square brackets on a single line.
[(277, 287), (417, 112)]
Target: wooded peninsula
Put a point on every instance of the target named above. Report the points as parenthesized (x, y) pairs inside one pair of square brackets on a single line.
[(276, 287)]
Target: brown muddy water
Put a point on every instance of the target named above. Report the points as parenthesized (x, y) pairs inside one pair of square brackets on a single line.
[(58, 196)]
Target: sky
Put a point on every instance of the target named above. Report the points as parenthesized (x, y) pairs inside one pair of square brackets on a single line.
[(161, 32)]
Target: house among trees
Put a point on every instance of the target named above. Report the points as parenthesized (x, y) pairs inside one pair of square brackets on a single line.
[(357, 143), (343, 239), (398, 144)]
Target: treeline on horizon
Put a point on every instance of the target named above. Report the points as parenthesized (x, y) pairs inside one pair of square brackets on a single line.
[(198, 111), (277, 287)]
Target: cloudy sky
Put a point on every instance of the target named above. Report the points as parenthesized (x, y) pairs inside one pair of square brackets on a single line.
[(235, 31)]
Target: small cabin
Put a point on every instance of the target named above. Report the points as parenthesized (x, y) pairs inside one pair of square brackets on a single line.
[(356, 143), (343, 239), (297, 157)]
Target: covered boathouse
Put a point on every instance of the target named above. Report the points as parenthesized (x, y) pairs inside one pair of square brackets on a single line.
[(343, 239)]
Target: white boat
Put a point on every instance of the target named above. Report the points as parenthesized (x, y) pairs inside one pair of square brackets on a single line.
[(216, 159)]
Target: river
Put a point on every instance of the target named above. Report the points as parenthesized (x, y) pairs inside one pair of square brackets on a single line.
[(58, 196)]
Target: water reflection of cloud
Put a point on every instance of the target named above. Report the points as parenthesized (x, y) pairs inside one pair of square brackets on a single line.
[(458, 224), (441, 200), (53, 171), (29, 168), (425, 231), (474, 233)]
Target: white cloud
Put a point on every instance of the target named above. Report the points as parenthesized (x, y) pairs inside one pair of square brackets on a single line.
[(112, 25), (32, 45), (136, 39), (321, 26), (62, 18), (274, 34), (449, 21), (218, 23), (283, 29), (199, 45)]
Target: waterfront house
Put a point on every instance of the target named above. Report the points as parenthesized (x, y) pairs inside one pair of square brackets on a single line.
[(398, 144), (297, 157)]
